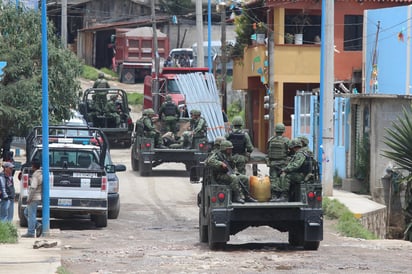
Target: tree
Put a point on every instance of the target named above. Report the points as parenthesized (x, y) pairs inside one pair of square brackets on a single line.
[(21, 84)]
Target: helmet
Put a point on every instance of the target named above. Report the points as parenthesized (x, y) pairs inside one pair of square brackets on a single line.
[(225, 145), (237, 121), (113, 97), (195, 112), (101, 75), (295, 143), (219, 140), (280, 127), (304, 140), (168, 98), (148, 111)]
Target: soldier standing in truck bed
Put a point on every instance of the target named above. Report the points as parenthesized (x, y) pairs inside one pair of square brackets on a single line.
[(169, 113), (101, 82)]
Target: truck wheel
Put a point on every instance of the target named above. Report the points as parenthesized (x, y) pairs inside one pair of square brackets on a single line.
[(135, 162), (202, 229), (214, 245), (22, 218), (296, 237), (311, 245), (113, 214), (100, 220)]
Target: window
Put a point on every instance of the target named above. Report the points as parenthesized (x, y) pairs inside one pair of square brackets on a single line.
[(353, 33)]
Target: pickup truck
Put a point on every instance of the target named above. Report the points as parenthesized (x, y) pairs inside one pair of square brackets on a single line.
[(219, 217), (78, 178), (145, 156), (94, 106)]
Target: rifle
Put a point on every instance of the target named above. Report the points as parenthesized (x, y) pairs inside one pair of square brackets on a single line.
[(230, 172)]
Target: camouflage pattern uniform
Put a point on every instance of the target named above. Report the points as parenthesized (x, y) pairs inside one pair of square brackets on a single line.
[(222, 166), (216, 147), (242, 145), (169, 113), (296, 170), (277, 147), (148, 128), (111, 110), (101, 82), (199, 126)]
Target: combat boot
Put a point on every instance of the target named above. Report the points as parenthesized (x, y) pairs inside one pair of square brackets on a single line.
[(278, 197), (250, 199), (238, 197)]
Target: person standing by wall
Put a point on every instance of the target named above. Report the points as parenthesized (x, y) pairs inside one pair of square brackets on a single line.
[(33, 200), (7, 193)]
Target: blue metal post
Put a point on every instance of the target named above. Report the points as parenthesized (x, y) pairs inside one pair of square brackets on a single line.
[(322, 84), (45, 122), (209, 35)]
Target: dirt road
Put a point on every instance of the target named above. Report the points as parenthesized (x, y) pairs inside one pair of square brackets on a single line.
[(157, 232)]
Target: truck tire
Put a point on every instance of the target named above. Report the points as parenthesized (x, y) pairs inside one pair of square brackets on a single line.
[(212, 244), (311, 245), (203, 231), (22, 219), (135, 162), (113, 214), (100, 220)]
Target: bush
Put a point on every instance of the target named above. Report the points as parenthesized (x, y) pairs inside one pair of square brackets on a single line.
[(8, 233), (348, 225), (135, 98)]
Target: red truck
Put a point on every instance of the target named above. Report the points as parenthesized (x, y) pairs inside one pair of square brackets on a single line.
[(167, 86), (134, 52)]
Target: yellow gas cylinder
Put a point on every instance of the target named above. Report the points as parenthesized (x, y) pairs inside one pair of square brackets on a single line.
[(259, 187)]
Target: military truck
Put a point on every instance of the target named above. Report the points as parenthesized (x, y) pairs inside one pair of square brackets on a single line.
[(108, 109), (145, 156), (301, 216), (78, 172)]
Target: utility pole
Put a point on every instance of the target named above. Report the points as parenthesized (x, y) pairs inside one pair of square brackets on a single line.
[(155, 84), (199, 29), (223, 55), (64, 24), (326, 157)]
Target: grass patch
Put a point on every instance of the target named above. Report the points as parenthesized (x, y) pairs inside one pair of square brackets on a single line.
[(8, 233), (92, 73), (62, 270), (110, 72), (135, 98), (348, 225)]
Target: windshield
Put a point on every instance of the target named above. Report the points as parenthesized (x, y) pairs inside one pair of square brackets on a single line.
[(172, 87), (70, 159)]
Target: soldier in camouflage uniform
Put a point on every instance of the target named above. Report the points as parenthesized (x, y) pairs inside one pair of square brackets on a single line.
[(277, 147), (111, 110), (242, 145), (169, 113), (101, 82), (216, 147), (296, 170), (305, 144), (223, 173), (199, 125), (148, 127)]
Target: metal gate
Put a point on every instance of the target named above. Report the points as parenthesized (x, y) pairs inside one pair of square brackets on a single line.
[(305, 122)]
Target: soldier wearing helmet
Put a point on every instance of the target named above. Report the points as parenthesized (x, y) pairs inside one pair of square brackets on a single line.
[(169, 113), (101, 82), (296, 170), (277, 158), (149, 129), (305, 144), (242, 145), (198, 126), (111, 110), (223, 168)]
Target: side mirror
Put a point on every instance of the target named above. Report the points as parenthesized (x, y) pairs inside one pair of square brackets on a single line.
[(120, 167)]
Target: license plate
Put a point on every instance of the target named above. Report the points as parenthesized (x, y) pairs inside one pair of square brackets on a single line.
[(84, 175), (85, 183), (64, 202)]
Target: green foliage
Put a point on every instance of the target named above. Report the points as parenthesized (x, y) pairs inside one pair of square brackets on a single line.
[(89, 72), (177, 7), (235, 109), (8, 233), (135, 98), (362, 163), (62, 270), (348, 225), (21, 85), (337, 180), (110, 72)]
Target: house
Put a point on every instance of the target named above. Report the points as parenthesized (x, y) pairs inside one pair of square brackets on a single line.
[(297, 66)]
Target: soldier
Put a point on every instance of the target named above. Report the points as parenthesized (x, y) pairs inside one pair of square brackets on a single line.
[(169, 113), (101, 82), (199, 127), (242, 145), (148, 128), (216, 147), (305, 144), (112, 111), (296, 170), (222, 166), (277, 158)]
